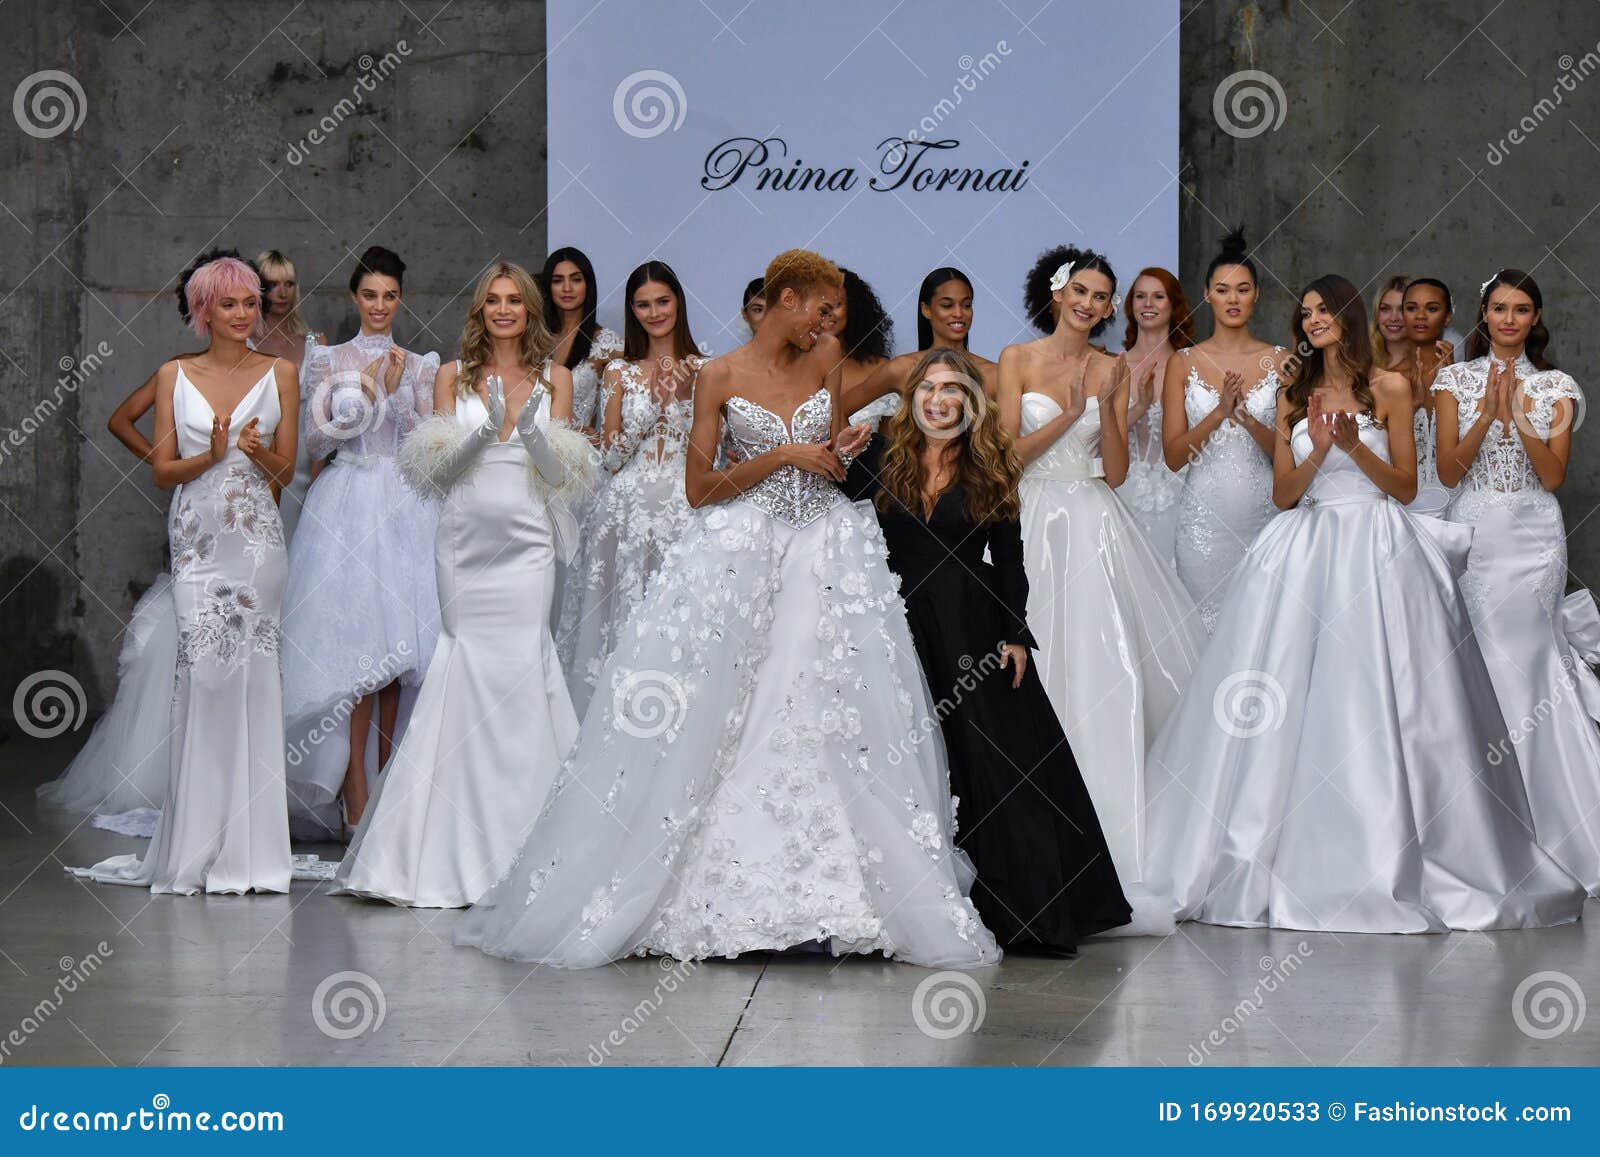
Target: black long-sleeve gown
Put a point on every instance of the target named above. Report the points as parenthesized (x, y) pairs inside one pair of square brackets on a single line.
[(1045, 876)]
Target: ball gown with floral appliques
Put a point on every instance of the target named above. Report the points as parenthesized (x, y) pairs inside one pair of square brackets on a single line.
[(1516, 573), (735, 786), (1335, 764)]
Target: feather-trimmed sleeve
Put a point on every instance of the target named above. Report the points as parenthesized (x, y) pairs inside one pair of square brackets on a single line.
[(425, 457)]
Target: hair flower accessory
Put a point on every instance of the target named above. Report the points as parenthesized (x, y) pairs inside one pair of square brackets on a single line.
[(1059, 277)]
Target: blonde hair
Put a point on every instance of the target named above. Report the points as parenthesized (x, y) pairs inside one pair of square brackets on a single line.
[(987, 466), (1380, 347), (799, 270), (476, 345), (276, 266)]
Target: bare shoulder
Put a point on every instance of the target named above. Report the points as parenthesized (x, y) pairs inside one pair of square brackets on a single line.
[(712, 382), (285, 374), (1388, 386)]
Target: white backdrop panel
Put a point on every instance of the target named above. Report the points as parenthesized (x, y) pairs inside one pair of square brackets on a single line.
[(1069, 118)]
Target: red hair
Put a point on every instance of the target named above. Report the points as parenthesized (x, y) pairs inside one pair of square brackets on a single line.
[(1180, 333), (213, 281)]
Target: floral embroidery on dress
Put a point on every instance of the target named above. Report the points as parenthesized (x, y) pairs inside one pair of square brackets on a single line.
[(229, 627), (248, 510), (191, 543)]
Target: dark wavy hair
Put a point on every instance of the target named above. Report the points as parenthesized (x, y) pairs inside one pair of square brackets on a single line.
[(205, 258), (588, 325), (1478, 343), (1234, 251), (1354, 352), (1080, 261), (635, 341), (987, 466), (925, 293), (1036, 296), (868, 333), (381, 261)]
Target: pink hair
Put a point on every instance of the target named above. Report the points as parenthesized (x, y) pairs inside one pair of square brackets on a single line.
[(213, 281)]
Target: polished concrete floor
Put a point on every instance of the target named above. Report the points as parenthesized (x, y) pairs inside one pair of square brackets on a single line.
[(259, 981)]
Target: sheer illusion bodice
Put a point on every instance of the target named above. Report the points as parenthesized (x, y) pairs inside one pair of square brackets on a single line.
[(639, 512), (588, 408), (789, 494), (1227, 491), (1151, 491), (1502, 474), (1516, 572), (1432, 495), (345, 410)]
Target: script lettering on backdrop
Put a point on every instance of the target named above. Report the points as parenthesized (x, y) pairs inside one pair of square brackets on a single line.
[(903, 163)]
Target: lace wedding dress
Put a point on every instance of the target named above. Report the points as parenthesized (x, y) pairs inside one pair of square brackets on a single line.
[(636, 517), (754, 772), (1227, 492), (1515, 576)]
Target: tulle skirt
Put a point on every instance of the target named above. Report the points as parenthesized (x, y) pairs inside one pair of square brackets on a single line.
[(733, 786)]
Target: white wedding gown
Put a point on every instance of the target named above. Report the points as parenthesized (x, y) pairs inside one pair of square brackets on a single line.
[(1227, 492), (121, 770), (1118, 637), (1330, 766), (224, 826), (492, 720), (1433, 496), (361, 609), (1515, 576), (637, 516), (588, 408), (754, 773), (1151, 491)]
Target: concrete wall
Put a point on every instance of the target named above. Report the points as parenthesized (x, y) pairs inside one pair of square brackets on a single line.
[(190, 114), (195, 133), (1382, 165)]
